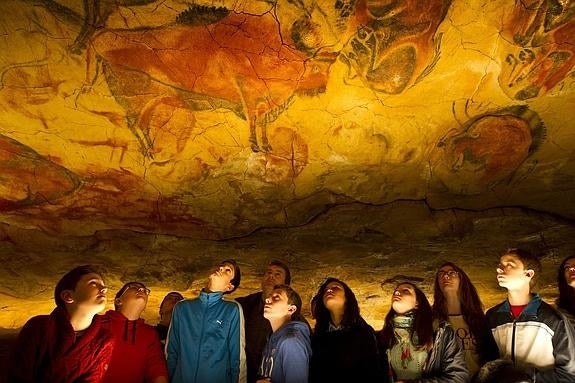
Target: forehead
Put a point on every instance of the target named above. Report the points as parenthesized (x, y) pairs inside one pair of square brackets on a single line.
[(276, 269), (405, 286), (570, 261), (89, 277), (510, 258), (447, 268), (333, 284), (229, 266)]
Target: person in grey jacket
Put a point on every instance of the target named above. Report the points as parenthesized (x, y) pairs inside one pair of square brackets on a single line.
[(419, 349)]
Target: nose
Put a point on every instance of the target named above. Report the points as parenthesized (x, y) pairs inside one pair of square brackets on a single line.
[(103, 289), (396, 293), (329, 291), (499, 270), (268, 300)]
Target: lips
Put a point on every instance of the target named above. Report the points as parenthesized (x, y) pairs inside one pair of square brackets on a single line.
[(396, 298)]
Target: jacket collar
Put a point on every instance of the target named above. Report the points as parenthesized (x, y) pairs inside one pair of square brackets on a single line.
[(530, 310), (211, 298)]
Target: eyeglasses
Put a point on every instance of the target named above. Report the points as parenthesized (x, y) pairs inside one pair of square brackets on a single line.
[(450, 274), (138, 288), (570, 268)]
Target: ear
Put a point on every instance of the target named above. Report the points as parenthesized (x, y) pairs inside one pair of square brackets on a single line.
[(66, 296), (118, 302), (230, 287), (292, 309), (530, 273)]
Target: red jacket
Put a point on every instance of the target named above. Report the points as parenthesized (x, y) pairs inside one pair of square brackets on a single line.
[(47, 350), (138, 356)]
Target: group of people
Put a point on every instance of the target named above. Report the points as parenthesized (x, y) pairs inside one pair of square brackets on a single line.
[(263, 337)]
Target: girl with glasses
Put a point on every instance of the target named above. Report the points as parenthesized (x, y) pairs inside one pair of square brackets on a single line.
[(455, 300)]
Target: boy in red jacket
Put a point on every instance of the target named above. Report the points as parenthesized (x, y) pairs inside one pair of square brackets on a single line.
[(72, 344), (138, 356)]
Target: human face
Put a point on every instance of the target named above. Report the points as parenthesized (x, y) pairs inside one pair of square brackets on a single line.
[(569, 272), (403, 299), (511, 273), (168, 306), (89, 293), (334, 296), (276, 305), (135, 296), (221, 278), (274, 275), (448, 279)]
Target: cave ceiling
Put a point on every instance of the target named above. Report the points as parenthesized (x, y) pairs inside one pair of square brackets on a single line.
[(352, 123)]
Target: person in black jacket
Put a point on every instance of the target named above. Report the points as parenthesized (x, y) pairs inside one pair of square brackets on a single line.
[(344, 346), (566, 283), (455, 300), (257, 327)]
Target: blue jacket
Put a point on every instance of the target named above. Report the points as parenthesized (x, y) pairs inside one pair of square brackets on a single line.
[(205, 342), (287, 353)]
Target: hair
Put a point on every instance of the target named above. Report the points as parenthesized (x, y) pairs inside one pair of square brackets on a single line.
[(277, 263), (293, 299), (171, 293), (530, 262), (237, 274), (471, 306), (566, 299), (321, 314), (422, 322), (70, 280)]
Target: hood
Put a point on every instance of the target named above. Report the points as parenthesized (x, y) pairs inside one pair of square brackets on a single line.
[(123, 328)]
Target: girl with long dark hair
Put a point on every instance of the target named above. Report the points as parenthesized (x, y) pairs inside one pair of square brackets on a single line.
[(344, 347), (566, 282), (456, 301), (417, 348)]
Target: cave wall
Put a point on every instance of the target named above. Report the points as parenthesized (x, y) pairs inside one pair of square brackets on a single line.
[(366, 139)]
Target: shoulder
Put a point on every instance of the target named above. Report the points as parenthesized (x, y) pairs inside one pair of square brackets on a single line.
[(39, 323), (250, 299)]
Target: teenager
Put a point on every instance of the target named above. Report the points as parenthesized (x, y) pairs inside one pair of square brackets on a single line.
[(566, 282), (455, 300), (72, 344), (166, 309), (138, 356), (258, 329), (206, 337), (418, 348), (344, 347), (529, 332), (285, 357)]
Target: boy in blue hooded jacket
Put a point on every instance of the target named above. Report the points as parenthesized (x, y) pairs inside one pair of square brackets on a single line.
[(287, 352)]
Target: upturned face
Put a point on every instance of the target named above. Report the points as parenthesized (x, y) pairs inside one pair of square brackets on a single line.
[(334, 296), (90, 293), (448, 279), (134, 296), (511, 273), (403, 299), (569, 272), (274, 275), (276, 305), (221, 278)]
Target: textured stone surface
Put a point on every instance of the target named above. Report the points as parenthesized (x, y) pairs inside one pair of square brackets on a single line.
[(360, 141)]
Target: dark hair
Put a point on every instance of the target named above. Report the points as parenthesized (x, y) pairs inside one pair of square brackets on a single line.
[(422, 322), (277, 263), (237, 274), (293, 299), (471, 306), (530, 262), (321, 314), (70, 280), (173, 294), (566, 299)]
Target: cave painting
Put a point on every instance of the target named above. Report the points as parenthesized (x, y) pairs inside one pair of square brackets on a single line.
[(239, 63), (214, 58), (398, 45), (27, 178), (544, 33), (487, 149)]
